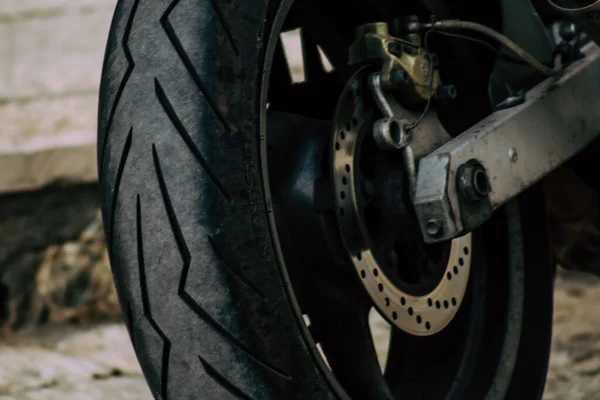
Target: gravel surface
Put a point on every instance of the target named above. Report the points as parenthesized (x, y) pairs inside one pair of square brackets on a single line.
[(73, 357), (71, 363), (98, 362), (575, 362)]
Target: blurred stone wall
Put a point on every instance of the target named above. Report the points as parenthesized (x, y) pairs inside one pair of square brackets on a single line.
[(51, 54), (53, 264)]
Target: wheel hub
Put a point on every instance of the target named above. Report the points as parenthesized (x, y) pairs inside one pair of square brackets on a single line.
[(414, 286)]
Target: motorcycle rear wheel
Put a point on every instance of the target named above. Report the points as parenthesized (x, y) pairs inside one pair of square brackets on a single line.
[(196, 238)]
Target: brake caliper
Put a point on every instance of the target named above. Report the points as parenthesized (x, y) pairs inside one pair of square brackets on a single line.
[(408, 68)]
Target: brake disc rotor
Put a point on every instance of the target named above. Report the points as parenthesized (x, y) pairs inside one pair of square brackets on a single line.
[(419, 314)]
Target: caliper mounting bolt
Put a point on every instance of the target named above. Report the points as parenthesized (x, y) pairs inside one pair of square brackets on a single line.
[(399, 77), (473, 182), (567, 31)]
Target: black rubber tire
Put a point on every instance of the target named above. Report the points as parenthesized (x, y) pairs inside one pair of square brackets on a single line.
[(184, 210), (187, 220)]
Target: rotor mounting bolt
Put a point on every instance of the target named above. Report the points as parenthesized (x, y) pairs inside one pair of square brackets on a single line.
[(434, 227), (446, 93), (473, 182), (399, 77)]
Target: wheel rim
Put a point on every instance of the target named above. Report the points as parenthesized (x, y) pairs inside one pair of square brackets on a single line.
[(459, 346)]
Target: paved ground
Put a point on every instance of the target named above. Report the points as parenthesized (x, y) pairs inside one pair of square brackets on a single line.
[(575, 363), (97, 361)]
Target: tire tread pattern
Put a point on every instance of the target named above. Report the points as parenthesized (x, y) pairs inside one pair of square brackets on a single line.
[(166, 351), (124, 80), (187, 260), (123, 158), (166, 24)]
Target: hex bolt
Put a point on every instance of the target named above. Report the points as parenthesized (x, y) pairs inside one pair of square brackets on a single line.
[(399, 77), (408, 24), (567, 31), (473, 182), (433, 227), (446, 93)]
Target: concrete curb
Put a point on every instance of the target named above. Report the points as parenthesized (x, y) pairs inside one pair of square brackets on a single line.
[(28, 170)]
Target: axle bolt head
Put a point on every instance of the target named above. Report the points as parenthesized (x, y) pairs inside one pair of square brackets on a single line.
[(473, 182)]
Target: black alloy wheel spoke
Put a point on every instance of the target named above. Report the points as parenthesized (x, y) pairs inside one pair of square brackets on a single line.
[(314, 71), (400, 355), (280, 82), (342, 329)]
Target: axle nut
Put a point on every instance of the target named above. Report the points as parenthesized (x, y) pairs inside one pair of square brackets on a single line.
[(473, 181)]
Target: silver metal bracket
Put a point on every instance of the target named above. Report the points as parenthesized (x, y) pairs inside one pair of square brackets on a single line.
[(428, 135), (515, 147)]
